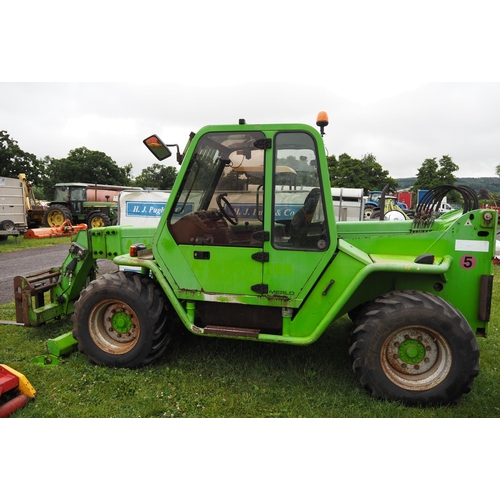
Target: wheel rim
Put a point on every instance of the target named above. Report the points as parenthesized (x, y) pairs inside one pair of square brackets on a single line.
[(97, 222), (56, 218), (7, 225), (368, 212), (114, 327), (416, 358)]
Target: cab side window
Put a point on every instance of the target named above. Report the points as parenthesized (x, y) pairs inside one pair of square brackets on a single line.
[(299, 216)]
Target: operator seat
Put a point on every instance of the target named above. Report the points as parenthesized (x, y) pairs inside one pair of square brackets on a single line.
[(302, 219)]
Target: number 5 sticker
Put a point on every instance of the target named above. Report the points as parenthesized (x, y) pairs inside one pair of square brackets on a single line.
[(468, 262)]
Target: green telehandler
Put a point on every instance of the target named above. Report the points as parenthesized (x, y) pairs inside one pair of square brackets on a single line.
[(248, 247)]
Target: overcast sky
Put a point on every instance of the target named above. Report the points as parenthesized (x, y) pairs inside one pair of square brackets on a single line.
[(400, 126), (368, 64)]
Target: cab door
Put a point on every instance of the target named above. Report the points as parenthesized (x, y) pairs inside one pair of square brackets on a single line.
[(300, 242), (216, 220), (76, 199)]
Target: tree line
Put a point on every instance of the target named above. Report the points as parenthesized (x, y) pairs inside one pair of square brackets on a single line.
[(368, 174), (84, 165), (484, 186), (81, 165)]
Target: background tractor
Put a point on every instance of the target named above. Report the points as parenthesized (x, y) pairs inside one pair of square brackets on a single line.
[(91, 204)]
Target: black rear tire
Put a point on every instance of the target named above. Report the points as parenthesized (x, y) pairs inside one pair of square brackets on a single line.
[(122, 320), (414, 347)]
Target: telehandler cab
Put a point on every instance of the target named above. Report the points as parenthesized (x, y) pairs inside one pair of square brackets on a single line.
[(248, 247)]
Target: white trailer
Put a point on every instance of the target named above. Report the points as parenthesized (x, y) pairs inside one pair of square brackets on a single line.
[(141, 208), (349, 204), (12, 205)]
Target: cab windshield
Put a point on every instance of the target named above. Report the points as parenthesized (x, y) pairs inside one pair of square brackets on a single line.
[(223, 187)]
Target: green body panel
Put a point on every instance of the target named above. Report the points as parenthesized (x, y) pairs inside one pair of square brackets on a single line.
[(231, 272), (228, 269), (467, 239), (111, 241)]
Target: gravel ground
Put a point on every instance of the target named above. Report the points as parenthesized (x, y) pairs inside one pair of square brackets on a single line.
[(25, 262)]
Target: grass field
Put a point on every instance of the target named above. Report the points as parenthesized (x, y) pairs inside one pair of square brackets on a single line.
[(203, 377), (11, 244)]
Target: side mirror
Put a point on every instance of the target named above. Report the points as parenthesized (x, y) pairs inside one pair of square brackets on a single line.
[(157, 147)]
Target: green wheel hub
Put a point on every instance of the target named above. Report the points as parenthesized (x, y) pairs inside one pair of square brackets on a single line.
[(411, 351), (121, 322)]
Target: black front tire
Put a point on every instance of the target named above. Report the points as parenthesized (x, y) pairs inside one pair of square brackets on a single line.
[(414, 347), (56, 215), (122, 320), (98, 219)]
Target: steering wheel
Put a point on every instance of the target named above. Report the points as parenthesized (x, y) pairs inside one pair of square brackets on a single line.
[(232, 218)]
